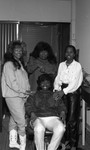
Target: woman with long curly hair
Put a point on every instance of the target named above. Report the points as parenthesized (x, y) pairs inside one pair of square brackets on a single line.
[(41, 60), (15, 89)]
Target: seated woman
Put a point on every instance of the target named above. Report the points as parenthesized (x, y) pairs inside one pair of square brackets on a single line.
[(46, 113)]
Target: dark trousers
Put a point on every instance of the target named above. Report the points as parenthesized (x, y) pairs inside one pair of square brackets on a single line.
[(72, 102)]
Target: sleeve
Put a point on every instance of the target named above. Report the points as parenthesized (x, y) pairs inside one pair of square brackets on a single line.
[(31, 65), (75, 82), (10, 77), (29, 105), (57, 81)]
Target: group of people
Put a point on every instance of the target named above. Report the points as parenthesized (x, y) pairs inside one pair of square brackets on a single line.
[(49, 94)]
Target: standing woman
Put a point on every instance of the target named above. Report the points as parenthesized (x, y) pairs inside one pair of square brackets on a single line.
[(15, 90), (42, 60), (67, 86)]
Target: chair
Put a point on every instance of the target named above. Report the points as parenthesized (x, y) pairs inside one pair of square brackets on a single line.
[(30, 135), (82, 117), (83, 122)]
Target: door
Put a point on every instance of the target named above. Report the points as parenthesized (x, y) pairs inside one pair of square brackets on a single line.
[(56, 34)]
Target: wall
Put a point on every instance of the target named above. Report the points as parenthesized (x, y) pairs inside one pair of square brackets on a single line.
[(83, 37), (36, 10), (83, 32)]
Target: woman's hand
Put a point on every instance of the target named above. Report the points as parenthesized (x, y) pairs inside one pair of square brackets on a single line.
[(27, 92), (32, 92), (61, 93), (63, 117), (33, 118), (26, 95), (40, 66), (58, 94)]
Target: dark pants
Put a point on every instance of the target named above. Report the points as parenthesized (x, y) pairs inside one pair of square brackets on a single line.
[(72, 102)]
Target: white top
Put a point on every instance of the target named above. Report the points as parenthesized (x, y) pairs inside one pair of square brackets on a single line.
[(71, 75)]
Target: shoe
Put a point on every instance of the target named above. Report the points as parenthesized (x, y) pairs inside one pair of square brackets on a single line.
[(13, 139), (22, 142)]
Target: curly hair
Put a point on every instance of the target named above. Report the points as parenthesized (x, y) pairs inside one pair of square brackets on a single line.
[(43, 78), (24, 46), (44, 46), (9, 54)]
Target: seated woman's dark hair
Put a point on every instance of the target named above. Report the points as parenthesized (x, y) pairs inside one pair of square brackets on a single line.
[(44, 46), (45, 77), (9, 54)]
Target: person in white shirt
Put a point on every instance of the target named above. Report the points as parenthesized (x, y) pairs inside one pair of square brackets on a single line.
[(67, 86), (15, 89)]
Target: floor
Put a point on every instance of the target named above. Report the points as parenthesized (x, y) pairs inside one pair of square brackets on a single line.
[(4, 138)]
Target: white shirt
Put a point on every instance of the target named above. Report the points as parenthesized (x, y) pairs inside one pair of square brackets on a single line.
[(71, 75)]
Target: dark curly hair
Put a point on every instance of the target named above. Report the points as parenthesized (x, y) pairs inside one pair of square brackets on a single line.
[(44, 46), (45, 77), (9, 54)]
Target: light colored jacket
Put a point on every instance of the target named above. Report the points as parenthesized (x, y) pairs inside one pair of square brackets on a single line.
[(14, 82)]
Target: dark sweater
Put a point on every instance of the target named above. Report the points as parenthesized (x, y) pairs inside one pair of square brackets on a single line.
[(43, 104)]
